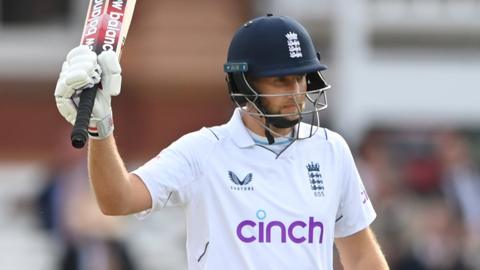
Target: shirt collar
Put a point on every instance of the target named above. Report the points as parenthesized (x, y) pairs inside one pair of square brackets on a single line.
[(241, 136), (239, 132)]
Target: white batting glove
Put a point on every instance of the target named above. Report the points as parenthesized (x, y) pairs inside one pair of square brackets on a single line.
[(83, 69)]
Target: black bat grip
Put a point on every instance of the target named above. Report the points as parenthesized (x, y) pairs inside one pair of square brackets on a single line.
[(80, 129)]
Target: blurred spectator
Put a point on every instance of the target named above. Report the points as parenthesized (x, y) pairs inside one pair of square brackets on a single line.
[(69, 212), (436, 236), (461, 186), (422, 175), (374, 165), (426, 193)]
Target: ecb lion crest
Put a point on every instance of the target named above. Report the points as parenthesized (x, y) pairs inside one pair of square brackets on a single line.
[(316, 179)]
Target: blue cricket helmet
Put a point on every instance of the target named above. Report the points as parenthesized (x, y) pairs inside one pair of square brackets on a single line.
[(274, 46), (271, 46)]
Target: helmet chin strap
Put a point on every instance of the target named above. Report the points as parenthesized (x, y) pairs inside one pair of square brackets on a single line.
[(282, 122), (269, 136), (277, 122)]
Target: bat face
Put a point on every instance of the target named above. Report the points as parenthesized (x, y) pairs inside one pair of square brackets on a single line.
[(107, 24)]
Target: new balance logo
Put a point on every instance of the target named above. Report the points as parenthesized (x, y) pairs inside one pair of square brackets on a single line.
[(240, 184)]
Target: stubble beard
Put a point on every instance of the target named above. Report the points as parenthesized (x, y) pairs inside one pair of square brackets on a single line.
[(281, 121)]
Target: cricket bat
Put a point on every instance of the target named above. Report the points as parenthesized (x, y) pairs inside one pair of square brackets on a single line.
[(106, 27)]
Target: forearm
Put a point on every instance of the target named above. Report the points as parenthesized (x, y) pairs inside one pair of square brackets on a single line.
[(372, 260), (361, 251), (108, 175)]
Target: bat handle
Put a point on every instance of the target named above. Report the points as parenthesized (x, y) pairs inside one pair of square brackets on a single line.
[(80, 128)]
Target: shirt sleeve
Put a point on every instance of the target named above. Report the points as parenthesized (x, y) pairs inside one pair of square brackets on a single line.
[(168, 176), (355, 211)]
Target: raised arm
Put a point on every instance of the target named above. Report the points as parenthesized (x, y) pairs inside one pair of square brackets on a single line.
[(117, 191)]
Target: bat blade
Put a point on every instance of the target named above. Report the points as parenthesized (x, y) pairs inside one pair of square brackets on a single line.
[(107, 24), (106, 27)]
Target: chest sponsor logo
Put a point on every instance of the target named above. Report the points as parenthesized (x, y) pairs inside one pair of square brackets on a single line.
[(315, 179), (241, 184), (262, 230)]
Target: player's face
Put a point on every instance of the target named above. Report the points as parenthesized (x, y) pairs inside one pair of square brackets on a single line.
[(287, 94)]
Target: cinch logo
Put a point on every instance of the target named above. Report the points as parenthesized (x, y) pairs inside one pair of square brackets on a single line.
[(298, 231)]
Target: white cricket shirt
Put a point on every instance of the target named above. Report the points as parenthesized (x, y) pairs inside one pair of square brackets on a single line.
[(247, 209)]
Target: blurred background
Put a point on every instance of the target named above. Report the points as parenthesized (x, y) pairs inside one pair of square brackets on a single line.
[(405, 76)]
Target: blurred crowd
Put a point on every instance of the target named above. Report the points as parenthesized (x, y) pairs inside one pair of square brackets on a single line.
[(68, 213), (425, 186)]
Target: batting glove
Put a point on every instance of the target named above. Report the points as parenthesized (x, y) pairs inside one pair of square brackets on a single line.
[(83, 69)]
